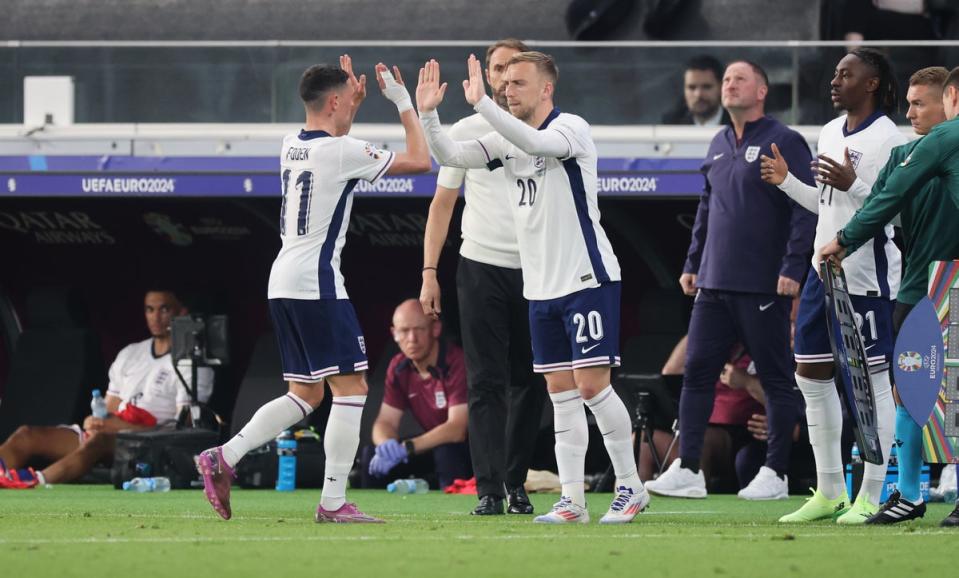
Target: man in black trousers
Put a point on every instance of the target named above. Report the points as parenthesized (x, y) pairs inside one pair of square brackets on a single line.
[(505, 397), (749, 252)]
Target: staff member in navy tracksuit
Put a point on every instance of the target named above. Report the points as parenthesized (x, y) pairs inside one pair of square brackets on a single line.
[(748, 254)]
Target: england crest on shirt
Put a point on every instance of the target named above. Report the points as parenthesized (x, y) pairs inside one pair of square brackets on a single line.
[(440, 399), (752, 153), (855, 157)]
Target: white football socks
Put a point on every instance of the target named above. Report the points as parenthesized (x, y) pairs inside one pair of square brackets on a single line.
[(572, 438), (824, 416), (272, 418), (341, 440), (874, 475), (613, 421)]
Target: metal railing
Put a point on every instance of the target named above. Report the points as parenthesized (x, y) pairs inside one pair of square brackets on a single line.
[(609, 83)]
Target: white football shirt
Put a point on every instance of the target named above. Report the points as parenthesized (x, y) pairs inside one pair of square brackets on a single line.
[(488, 234), (563, 247), (140, 378), (318, 174), (873, 270)]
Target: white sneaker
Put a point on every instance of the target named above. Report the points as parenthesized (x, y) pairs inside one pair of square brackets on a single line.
[(678, 482), (564, 512), (766, 486), (626, 505)]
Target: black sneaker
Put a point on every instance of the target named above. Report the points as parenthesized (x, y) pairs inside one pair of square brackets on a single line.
[(897, 509), (489, 505), (518, 501), (952, 520)]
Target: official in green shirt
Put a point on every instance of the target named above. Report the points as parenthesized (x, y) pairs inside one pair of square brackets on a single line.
[(920, 182)]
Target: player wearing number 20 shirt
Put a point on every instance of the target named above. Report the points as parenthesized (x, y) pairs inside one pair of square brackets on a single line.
[(570, 273)]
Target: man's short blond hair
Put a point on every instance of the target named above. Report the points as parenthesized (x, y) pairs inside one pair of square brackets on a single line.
[(931, 76), (511, 43), (544, 63)]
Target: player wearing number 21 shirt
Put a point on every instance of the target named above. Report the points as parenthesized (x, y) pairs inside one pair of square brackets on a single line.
[(570, 273)]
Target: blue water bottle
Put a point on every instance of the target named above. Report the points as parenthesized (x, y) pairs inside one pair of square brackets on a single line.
[(98, 405), (286, 453)]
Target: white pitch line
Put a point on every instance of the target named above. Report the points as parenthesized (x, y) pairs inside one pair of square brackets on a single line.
[(428, 538)]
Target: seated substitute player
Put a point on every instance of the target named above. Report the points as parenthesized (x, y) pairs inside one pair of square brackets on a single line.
[(929, 226), (144, 391), (316, 326), (428, 376), (570, 273), (865, 87)]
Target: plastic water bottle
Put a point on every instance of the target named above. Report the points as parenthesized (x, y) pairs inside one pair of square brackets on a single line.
[(98, 405), (854, 455), (143, 485), (411, 486), (286, 453)]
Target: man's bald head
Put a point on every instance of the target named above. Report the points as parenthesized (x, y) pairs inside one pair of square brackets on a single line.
[(414, 331)]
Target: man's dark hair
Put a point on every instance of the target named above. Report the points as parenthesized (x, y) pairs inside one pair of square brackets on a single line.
[(706, 62), (318, 80), (952, 79), (887, 94), (513, 43), (759, 70)]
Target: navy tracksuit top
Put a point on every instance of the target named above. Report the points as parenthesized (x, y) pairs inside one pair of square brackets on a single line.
[(747, 233)]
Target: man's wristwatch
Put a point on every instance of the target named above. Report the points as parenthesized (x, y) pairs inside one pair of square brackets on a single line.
[(841, 238), (410, 447)]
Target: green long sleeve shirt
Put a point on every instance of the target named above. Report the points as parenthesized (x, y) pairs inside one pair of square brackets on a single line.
[(914, 184)]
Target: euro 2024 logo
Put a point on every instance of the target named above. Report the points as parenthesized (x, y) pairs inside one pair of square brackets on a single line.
[(910, 361)]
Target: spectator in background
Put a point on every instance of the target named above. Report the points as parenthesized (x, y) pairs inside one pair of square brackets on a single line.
[(737, 432), (428, 377), (893, 20), (701, 104), (887, 20), (144, 392)]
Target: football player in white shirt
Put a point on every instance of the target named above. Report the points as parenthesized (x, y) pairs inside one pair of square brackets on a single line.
[(316, 327), (503, 390), (863, 86), (570, 273), (143, 392)]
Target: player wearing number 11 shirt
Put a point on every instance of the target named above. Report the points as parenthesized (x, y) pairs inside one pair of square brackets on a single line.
[(570, 273), (316, 328)]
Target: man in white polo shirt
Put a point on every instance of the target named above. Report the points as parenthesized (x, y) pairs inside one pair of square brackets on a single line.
[(505, 397)]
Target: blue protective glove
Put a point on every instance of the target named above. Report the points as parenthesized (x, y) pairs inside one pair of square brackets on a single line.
[(389, 454)]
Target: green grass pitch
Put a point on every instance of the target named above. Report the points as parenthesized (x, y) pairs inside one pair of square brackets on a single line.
[(97, 531)]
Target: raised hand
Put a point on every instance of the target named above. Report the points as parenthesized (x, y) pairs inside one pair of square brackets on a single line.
[(473, 87), (357, 84), (773, 170), (391, 84), (830, 172), (429, 91)]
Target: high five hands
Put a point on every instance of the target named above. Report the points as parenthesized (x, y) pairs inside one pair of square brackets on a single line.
[(430, 91), (473, 87)]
